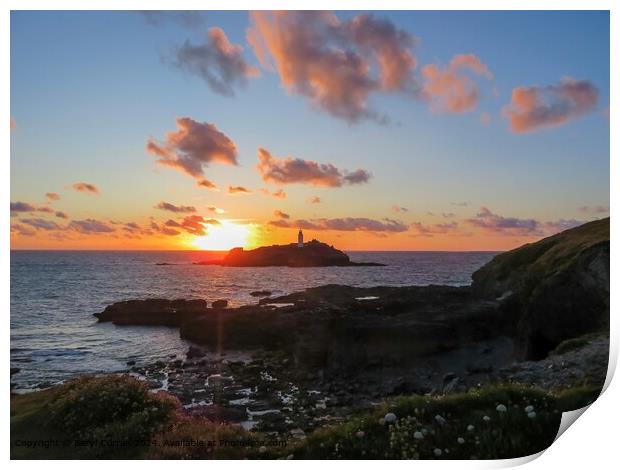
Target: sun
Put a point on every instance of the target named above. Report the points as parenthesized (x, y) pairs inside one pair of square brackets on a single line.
[(224, 236)]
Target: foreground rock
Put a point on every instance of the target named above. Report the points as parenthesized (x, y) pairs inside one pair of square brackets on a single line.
[(557, 287), (312, 254), (160, 312)]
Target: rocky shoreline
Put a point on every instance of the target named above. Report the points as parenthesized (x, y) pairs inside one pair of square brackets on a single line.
[(288, 365)]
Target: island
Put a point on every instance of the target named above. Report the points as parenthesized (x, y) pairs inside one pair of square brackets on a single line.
[(294, 255)]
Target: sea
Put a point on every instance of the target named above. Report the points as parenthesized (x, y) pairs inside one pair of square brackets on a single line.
[(54, 294)]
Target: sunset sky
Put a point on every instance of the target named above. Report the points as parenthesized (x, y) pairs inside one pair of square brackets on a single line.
[(369, 130)]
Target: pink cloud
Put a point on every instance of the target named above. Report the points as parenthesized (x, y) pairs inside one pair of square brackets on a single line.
[(216, 61), (336, 65), (421, 230), (52, 196), (291, 170), (534, 108), (238, 190), (85, 188), (192, 146), (450, 89), (347, 224), (166, 206)]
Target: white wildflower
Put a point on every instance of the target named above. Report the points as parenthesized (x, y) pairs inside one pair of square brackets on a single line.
[(418, 435), (262, 449), (529, 408), (460, 440), (290, 457), (501, 408), (486, 418), (390, 418), (359, 434), (531, 414), (470, 428), (440, 419), (437, 452)]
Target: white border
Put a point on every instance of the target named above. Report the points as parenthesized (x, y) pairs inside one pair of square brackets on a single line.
[(592, 442)]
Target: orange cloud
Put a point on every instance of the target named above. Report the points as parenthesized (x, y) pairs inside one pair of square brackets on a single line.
[(315, 200), (281, 215), (86, 188), (331, 62), (347, 224), (90, 226), (295, 170), (238, 190), (449, 89), (166, 206), (192, 146), (280, 194), (421, 230), (216, 61), (52, 196), (204, 183), (534, 108)]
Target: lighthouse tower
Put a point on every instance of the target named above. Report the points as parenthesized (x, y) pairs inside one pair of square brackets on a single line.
[(300, 239)]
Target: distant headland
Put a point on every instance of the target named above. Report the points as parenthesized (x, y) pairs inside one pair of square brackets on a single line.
[(294, 255)]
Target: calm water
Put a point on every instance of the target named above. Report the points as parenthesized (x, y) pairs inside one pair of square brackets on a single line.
[(54, 295)]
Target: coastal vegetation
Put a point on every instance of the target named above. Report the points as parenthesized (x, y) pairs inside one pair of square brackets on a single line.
[(117, 417)]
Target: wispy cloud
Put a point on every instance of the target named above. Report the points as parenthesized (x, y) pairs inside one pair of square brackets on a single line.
[(291, 170), (281, 215), (238, 190), (52, 196), (217, 62), (594, 209), (89, 226), (167, 206), (418, 229), (85, 188), (347, 224)]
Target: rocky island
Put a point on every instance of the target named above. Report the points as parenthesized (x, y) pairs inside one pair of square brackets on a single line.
[(294, 255)]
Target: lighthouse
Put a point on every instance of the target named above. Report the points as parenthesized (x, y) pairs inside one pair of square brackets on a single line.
[(300, 239)]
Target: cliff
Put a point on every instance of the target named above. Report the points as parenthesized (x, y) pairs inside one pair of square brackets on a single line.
[(558, 287), (312, 254)]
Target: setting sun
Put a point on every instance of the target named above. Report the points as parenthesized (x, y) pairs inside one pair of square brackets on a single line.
[(224, 236)]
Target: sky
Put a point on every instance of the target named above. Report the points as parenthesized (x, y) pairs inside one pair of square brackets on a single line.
[(368, 130)]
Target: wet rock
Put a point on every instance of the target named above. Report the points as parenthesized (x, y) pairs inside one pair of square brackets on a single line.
[(195, 351), (261, 293), (131, 363), (14, 370), (152, 312), (220, 414)]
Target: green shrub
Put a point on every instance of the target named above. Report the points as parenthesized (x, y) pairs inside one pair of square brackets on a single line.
[(111, 407), (574, 343)]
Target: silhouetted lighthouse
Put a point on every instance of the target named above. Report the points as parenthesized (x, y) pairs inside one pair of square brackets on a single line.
[(300, 239)]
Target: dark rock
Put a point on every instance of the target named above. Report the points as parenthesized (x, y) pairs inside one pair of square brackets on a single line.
[(261, 293), (14, 370), (194, 352), (220, 414), (220, 304), (152, 312), (131, 363)]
